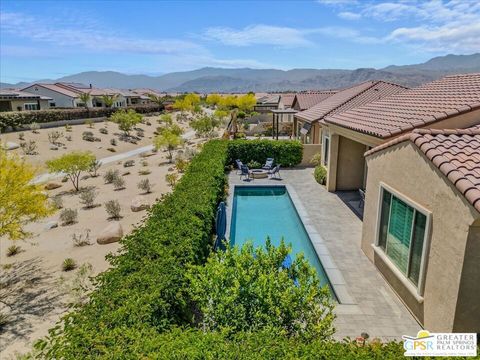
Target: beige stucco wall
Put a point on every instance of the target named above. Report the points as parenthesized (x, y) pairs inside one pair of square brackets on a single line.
[(404, 168), (308, 151), (350, 164), (21, 103)]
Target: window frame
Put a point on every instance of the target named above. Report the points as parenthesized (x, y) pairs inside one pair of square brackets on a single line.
[(417, 290), (25, 105), (325, 136)]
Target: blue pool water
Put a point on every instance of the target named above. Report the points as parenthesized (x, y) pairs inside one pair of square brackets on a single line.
[(259, 212)]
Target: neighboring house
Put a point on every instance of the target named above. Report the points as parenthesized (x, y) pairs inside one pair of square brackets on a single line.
[(305, 100), (447, 103), (61, 97), (15, 100), (307, 125), (96, 94), (266, 103), (421, 225), (287, 100)]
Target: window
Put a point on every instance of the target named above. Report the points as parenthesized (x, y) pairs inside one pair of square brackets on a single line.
[(401, 234), (325, 147), (31, 106)]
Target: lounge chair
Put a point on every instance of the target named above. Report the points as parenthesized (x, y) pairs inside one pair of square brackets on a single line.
[(245, 171), (268, 164), (275, 173), (239, 166)]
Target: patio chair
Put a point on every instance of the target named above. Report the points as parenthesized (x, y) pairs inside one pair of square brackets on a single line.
[(268, 164), (361, 204), (273, 173), (239, 166), (245, 171)]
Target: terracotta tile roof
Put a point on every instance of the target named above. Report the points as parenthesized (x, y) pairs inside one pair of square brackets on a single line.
[(56, 88), (418, 107), (304, 101), (456, 153), (287, 99), (17, 94), (349, 98)]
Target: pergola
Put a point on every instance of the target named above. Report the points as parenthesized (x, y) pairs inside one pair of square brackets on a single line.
[(277, 114)]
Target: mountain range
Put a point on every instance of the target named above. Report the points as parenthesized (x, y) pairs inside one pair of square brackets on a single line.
[(210, 79)]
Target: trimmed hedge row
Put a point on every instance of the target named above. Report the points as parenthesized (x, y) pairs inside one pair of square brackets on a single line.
[(145, 289), (16, 119), (285, 152)]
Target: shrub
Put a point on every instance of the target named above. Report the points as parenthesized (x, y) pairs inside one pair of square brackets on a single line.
[(113, 209), (129, 163), (69, 264), (54, 136), (126, 120), (88, 136), (144, 163), (68, 128), (103, 131), (87, 197), (171, 179), (29, 148), (144, 172), (111, 149), (110, 175), (169, 141), (90, 123), (320, 174), (68, 137), (94, 166), (113, 142), (80, 239), (254, 164), (33, 126), (181, 164), (13, 250), (316, 159), (16, 119), (119, 183), (68, 216), (285, 153), (145, 186), (4, 320), (72, 164), (21, 136), (57, 202)]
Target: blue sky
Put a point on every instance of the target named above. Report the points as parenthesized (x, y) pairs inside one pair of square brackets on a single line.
[(50, 39)]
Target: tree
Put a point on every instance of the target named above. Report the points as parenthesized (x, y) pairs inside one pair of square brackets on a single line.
[(21, 201), (126, 120), (109, 100), (156, 99), (189, 103), (250, 289), (213, 99), (85, 98), (169, 141), (205, 125), (72, 164), (246, 103)]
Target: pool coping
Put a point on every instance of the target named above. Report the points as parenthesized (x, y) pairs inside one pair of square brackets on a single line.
[(332, 271)]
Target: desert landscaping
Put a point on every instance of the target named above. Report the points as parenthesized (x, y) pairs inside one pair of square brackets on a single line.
[(44, 274)]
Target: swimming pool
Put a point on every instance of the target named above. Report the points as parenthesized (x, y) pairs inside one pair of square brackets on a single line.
[(261, 211)]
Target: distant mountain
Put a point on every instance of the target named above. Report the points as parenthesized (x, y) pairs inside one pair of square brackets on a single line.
[(211, 79)]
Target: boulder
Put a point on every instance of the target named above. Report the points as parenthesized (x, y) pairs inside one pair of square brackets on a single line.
[(139, 204), (112, 233), (52, 185), (51, 225), (11, 145)]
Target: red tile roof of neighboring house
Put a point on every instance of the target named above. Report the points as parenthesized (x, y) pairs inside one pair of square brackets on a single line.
[(17, 94), (456, 153), (305, 101), (413, 108), (56, 88), (349, 98), (287, 99)]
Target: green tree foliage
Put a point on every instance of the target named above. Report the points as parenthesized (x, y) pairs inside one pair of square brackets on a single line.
[(21, 201), (109, 100), (247, 289), (188, 103), (72, 164), (246, 103), (126, 120), (213, 99), (85, 98), (159, 100), (166, 119), (168, 140), (205, 125)]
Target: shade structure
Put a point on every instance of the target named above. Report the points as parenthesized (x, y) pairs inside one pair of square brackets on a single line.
[(220, 224)]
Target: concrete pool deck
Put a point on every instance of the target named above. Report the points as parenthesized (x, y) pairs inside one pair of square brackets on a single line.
[(370, 304)]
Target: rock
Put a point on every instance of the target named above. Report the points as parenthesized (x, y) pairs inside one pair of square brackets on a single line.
[(139, 204), (52, 186), (50, 225), (112, 233), (11, 145)]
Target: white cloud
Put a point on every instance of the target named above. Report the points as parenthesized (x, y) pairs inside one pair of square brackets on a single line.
[(347, 15), (258, 35)]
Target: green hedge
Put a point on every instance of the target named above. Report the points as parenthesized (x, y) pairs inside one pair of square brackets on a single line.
[(285, 152), (145, 290), (16, 119)]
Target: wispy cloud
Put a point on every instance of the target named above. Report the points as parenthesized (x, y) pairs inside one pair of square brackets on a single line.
[(349, 15)]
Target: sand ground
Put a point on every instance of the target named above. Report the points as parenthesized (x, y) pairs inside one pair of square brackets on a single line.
[(31, 281)]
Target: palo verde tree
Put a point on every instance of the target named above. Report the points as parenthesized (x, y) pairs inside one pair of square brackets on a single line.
[(168, 141), (21, 201), (85, 98), (72, 165), (205, 125), (126, 120), (109, 100)]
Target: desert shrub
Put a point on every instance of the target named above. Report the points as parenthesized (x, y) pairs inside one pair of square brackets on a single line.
[(13, 250), (88, 196), (81, 239), (21, 136), (118, 183), (181, 164), (103, 131), (171, 179), (29, 148), (320, 174), (140, 134), (110, 175), (144, 172), (88, 136), (89, 123), (129, 163), (34, 127), (94, 167), (113, 209), (145, 186), (4, 320), (113, 142), (126, 120), (68, 128), (69, 264), (189, 153), (316, 159), (111, 149), (68, 216), (285, 153), (68, 137), (57, 202), (144, 163), (54, 136)]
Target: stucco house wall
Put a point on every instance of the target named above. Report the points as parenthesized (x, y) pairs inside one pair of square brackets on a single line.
[(451, 296), (60, 100)]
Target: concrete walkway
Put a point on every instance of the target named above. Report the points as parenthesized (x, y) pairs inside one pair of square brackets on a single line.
[(374, 308), (109, 159)]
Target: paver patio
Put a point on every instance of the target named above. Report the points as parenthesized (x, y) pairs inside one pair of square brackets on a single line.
[(373, 307)]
